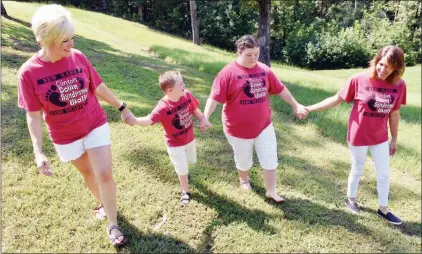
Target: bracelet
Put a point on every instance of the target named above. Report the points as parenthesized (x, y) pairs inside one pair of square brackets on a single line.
[(124, 105)]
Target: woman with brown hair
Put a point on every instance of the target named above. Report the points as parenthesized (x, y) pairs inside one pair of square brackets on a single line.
[(377, 95), (244, 87)]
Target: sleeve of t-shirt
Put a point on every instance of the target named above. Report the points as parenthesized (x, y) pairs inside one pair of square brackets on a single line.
[(156, 113), (219, 87), (26, 94), (275, 86), (194, 103), (347, 93), (402, 98), (94, 78)]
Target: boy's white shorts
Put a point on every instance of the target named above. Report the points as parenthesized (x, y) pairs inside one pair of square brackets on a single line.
[(99, 136), (181, 156), (265, 147)]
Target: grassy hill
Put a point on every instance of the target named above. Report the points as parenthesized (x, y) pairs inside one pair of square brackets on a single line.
[(41, 214)]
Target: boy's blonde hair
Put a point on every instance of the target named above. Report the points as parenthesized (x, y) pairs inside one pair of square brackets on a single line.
[(51, 24), (168, 79)]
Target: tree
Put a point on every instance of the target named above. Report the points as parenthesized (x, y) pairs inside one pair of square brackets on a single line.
[(105, 5), (3, 10), (194, 22), (264, 31)]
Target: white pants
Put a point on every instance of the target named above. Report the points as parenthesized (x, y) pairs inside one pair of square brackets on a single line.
[(181, 156), (265, 147), (381, 156)]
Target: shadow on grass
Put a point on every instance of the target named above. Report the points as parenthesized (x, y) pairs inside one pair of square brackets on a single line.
[(139, 242), (20, 37), (311, 213), (229, 211), (410, 114), (201, 62), (407, 228), (18, 21)]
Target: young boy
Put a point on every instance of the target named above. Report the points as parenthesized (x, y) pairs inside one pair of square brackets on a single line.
[(175, 111)]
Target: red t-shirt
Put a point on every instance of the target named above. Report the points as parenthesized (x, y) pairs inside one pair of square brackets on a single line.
[(176, 118), (373, 100), (244, 92), (64, 90)]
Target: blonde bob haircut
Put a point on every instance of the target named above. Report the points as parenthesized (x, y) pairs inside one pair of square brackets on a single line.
[(51, 24), (395, 58)]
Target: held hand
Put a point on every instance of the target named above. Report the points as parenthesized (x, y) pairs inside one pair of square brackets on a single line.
[(300, 112), (131, 121), (308, 109), (393, 147), (43, 164), (125, 114), (204, 125)]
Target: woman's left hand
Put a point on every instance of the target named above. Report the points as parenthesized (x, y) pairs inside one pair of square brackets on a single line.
[(126, 114), (393, 147)]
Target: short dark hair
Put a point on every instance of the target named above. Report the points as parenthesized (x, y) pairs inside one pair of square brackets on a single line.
[(246, 41)]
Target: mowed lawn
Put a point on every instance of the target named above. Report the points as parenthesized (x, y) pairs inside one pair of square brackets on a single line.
[(54, 214)]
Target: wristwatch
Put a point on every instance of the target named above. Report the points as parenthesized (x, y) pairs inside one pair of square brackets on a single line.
[(124, 105)]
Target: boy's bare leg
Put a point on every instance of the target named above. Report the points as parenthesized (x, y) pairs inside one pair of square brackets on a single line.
[(184, 183)]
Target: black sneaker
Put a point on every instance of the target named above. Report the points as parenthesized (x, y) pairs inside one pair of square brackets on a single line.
[(353, 207), (390, 217)]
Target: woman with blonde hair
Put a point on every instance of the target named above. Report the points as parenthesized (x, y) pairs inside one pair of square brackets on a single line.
[(60, 85), (377, 96)]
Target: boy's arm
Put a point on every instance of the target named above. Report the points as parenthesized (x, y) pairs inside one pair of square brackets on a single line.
[(204, 124), (143, 121)]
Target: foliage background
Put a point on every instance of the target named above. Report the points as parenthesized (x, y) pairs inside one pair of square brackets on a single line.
[(318, 34)]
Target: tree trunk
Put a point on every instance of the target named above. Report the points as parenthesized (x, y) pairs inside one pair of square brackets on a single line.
[(355, 10), (3, 10), (105, 5), (194, 22), (140, 14), (264, 31)]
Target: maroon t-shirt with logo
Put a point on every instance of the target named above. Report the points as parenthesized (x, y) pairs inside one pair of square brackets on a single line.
[(176, 119), (244, 92), (373, 100), (65, 92)]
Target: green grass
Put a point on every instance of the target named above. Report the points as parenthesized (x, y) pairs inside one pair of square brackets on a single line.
[(41, 214)]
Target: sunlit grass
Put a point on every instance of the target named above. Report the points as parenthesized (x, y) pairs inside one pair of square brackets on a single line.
[(41, 214)]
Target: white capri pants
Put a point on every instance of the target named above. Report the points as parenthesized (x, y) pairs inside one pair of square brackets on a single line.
[(381, 156), (99, 136), (181, 156), (265, 147)]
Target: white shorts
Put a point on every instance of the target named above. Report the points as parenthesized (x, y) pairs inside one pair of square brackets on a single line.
[(180, 156), (99, 136), (265, 147)]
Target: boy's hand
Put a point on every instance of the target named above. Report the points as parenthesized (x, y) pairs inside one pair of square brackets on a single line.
[(131, 121), (204, 125), (301, 112)]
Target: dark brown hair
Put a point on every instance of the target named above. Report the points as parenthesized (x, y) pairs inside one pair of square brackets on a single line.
[(395, 58), (246, 41)]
